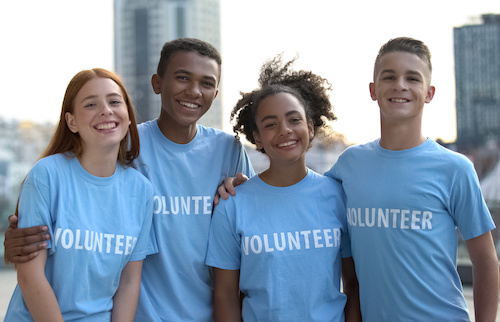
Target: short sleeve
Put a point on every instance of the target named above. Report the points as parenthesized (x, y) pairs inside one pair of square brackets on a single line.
[(224, 250)]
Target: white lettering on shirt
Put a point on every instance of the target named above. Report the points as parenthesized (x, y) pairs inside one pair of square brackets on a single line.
[(182, 205), (297, 240), (389, 218)]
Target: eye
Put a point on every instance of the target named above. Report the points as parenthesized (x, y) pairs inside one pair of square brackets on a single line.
[(209, 84), (295, 120), (269, 125), (389, 77), (115, 102), (181, 77), (90, 105)]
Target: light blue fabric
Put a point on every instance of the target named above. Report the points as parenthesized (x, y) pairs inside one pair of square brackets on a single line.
[(287, 243), (96, 224), (176, 284), (403, 208)]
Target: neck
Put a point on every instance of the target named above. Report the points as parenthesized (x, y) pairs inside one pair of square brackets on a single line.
[(175, 132), (99, 164), (284, 175), (401, 137)]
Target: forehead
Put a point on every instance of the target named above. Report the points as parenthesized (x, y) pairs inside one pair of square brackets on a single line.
[(194, 63), (279, 103), (99, 86), (402, 62)]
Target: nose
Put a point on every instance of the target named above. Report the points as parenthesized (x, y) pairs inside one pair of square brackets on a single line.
[(285, 128), (106, 109), (194, 90), (400, 84)]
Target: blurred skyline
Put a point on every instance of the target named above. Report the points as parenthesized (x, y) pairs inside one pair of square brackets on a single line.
[(47, 42)]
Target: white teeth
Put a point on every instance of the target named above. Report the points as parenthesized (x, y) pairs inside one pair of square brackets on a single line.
[(399, 100), (286, 144), (190, 105), (106, 126)]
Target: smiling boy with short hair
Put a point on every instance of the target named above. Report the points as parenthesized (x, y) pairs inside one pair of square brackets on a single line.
[(405, 197)]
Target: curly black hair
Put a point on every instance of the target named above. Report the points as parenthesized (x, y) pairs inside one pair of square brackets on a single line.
[(275, 77)]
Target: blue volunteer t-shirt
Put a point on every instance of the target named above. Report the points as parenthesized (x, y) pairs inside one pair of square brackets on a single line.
[(403, 208), (176, 283), (97, 225), (287, 243)]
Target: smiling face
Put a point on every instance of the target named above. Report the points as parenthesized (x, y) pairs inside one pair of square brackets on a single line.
[(401, 87), (100, 115), (188, 88), (283, 130)]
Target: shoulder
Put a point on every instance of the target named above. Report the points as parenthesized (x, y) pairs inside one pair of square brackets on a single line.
[(53, 162), (206, 131), (360, 149), (146, 127), (218, 139), (136, 180), (325, 186), (448, 157)]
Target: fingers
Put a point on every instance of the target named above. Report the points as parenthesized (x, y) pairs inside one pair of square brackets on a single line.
[(12, 222), (216, 199), (222, 190), (20, 259), (26, 236), (240, 178), (23, 244)]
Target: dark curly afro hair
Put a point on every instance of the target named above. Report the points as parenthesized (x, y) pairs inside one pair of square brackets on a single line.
[(275, 77)]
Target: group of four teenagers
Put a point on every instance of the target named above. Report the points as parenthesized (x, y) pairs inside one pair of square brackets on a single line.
[(196, 267)]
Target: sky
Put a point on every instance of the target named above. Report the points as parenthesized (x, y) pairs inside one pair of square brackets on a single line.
[(44, 43)]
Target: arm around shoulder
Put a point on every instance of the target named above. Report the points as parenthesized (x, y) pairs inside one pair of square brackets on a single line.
[(23, 244)]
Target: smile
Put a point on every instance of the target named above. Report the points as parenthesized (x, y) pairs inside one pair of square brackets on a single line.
[(189, 105), (399, 100), (106, 126), (285, 144)]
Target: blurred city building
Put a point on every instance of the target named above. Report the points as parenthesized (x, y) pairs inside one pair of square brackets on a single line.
[(21, 144), (477, 81), (141, 29)]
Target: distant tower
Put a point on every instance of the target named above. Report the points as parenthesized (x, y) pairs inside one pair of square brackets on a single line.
[(141, 29), (477, 73)]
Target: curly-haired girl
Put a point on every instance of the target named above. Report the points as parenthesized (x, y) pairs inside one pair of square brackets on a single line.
[(282, 239)]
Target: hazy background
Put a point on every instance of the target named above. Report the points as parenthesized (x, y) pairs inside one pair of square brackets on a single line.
[(44, 43)]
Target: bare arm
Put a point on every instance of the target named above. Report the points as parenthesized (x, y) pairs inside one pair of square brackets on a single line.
[(127, 295), (227, 301), (485, 276), (227, 187), (36, 290), (351, 289), (23, 244)]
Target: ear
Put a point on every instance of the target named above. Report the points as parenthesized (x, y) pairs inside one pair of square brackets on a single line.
[(372, 91), (156, 83), (258, 141), (310, 127), (430, 94), (70, 121)]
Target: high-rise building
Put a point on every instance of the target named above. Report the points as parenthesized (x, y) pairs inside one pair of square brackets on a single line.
[(477, 73), (141, 29)]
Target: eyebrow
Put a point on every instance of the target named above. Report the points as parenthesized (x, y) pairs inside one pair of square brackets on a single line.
[(95, 96), (275, 117), (392, 71), (183, 71)]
